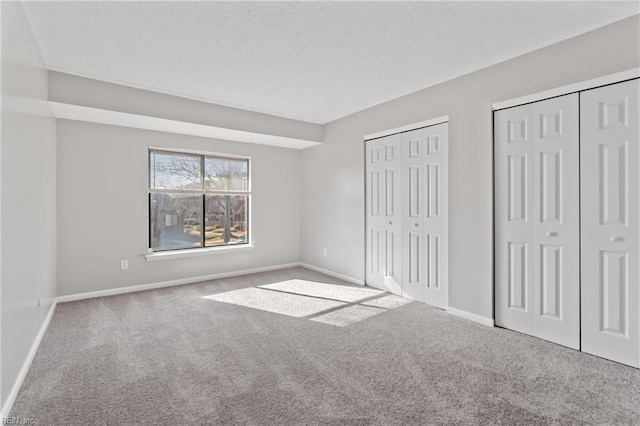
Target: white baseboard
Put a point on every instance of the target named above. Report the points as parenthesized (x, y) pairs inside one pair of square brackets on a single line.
[(6, 409), (191, 280), (332, 274), (152, 286), (489, 322)]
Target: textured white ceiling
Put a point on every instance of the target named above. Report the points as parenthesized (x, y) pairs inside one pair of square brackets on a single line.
[(316, 61)]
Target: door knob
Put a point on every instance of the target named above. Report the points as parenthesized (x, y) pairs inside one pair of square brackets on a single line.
[(616, 238), (552, 234)]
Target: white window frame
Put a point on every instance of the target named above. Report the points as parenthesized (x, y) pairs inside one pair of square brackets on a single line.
[(199, 251)]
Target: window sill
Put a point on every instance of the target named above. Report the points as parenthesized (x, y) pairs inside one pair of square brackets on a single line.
[(177, 254)]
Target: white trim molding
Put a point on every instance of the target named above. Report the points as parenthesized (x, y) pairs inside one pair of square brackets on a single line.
[(489, 322), (571, 88), (332, 274), (408, 127), (137, 121), (192, 280), (162, 284), (13, 393), (171, 150), (178, 254)]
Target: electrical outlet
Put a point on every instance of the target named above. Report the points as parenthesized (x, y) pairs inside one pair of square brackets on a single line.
[(124, 264), (325, 252)]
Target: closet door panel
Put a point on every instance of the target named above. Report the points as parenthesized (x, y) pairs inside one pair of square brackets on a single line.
[(383, 192), (513, 151), (556, 221), (374, 249), (414, 151), (610, 222), (436, 215)]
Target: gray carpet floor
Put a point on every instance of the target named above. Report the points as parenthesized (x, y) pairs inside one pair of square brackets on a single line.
[(170, 356)]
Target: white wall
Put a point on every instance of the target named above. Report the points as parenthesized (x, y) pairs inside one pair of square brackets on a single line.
[(28, 182), (103, 210), (333, 173)]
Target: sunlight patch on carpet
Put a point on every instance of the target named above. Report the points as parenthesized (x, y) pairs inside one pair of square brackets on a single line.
[(348, 315), (388, 302), (327, 291), (332, 304), (292, 305)]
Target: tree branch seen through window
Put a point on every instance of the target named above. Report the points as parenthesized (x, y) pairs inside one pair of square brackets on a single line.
[(197, 200)]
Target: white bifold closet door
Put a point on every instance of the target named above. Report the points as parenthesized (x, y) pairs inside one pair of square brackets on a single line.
[(384, 221), (537, 219), (407, 211), (425, 215), (610, 182)]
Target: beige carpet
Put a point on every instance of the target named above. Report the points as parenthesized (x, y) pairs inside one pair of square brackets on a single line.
[(183, 355)]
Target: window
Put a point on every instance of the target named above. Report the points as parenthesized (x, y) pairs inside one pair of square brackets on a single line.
[(197, 200)]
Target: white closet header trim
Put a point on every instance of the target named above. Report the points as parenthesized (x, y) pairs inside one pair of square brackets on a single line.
[(408, 127), (571, 88)]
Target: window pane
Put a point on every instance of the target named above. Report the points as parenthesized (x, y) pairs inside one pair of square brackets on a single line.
[(175, 221), (226, 174), (174, 171), (226, 220)]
